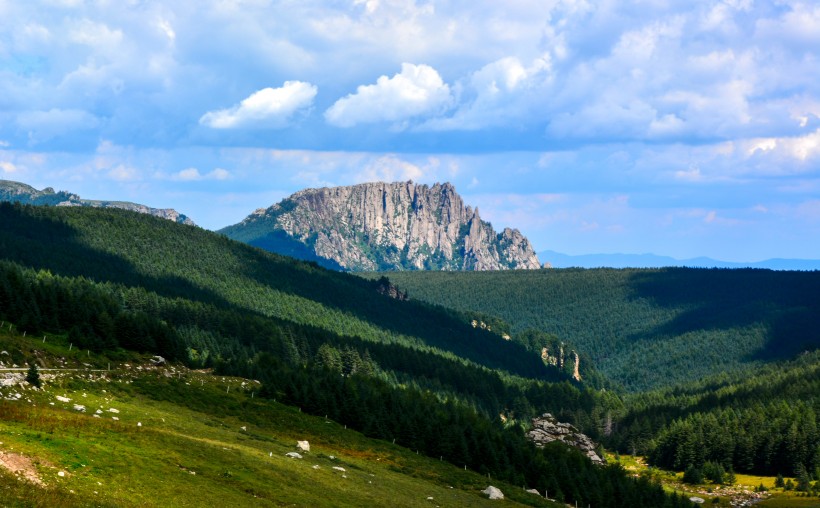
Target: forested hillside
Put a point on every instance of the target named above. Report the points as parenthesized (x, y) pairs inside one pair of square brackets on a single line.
[(764, 423), (325, 341), (645, 328)]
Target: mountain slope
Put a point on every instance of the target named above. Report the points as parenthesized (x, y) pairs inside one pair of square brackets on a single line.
[(16, 192), (169, 436), (645, 328), (401, 226), (328, 343)]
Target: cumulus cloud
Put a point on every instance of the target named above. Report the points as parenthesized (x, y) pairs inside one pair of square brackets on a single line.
[(390, 169), (500, 93), (416, 91), (193, 174), (269, 107)]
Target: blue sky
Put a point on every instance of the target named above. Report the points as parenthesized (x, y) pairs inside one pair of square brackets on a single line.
[(673, 127)]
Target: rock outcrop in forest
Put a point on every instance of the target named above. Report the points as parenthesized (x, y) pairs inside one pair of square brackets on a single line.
[(385, 226), (546, 429), (17, 192)]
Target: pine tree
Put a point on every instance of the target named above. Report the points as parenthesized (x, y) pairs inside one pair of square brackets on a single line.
[(33, 375)]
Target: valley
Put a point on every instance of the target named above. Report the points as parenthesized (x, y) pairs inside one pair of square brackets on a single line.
[(456, 380)]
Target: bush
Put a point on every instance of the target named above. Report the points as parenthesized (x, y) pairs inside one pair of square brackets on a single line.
[(693, 476), (714, 472)]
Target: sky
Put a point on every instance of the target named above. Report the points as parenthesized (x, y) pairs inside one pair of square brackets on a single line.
[(673, 127)]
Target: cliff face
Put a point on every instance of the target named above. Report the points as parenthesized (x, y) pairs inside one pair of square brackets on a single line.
[(16, 192), (378, 226)]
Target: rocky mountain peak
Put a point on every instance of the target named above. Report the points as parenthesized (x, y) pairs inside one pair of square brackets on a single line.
[(17, 192), (386, 226)]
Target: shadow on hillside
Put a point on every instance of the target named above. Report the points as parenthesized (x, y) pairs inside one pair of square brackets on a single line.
[(786, 303), (37, 240), (356, 296)]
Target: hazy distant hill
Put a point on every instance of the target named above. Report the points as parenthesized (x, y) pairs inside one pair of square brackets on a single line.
[(385, 226), (17, 192), (560, 260)]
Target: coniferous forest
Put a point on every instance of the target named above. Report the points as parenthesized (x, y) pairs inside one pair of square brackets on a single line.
[(428, 376), (324, 341)]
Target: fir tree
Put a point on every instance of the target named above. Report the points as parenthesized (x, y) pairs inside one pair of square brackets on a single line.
[(33, 375)]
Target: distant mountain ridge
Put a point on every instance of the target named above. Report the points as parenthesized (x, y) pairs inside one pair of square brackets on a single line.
[(385, 226), (560, 260), (17, 192)]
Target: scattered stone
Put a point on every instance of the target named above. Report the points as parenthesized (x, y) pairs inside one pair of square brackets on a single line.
[(337, 468), (534, 491), (493, 492), (139, 424), (303, 445), (293, 455), (244, 427), (79, 407), (316, 466), (112, 410), (61, 474), (429, 498), (697, 500), (63, 399)]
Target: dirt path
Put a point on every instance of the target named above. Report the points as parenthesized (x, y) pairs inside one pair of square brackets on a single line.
[(20, 465)]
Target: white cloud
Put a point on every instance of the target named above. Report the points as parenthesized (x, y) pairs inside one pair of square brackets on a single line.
[(502, 92), (8, 167), (193, 174), (796, 148), (123, 173), (189, 174), (390, 168), (4, 144), (96, 35), (269, 107), (417, 90)]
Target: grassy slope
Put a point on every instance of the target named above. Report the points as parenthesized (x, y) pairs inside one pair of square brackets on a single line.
[(191, 422), (679, 324)]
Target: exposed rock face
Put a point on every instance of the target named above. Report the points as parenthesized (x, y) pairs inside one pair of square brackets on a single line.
[(385, 226), (16, 192), (387, 288), (546, 429)]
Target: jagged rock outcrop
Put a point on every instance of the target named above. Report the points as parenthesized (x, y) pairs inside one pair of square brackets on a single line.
[(546, 429), (385, 226), (387, 288), (17, 192)]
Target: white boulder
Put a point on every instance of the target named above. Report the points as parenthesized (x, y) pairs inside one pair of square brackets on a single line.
[(493, 492)]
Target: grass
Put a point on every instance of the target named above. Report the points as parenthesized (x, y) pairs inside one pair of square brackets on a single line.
[(672, 482), (188, 438)]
